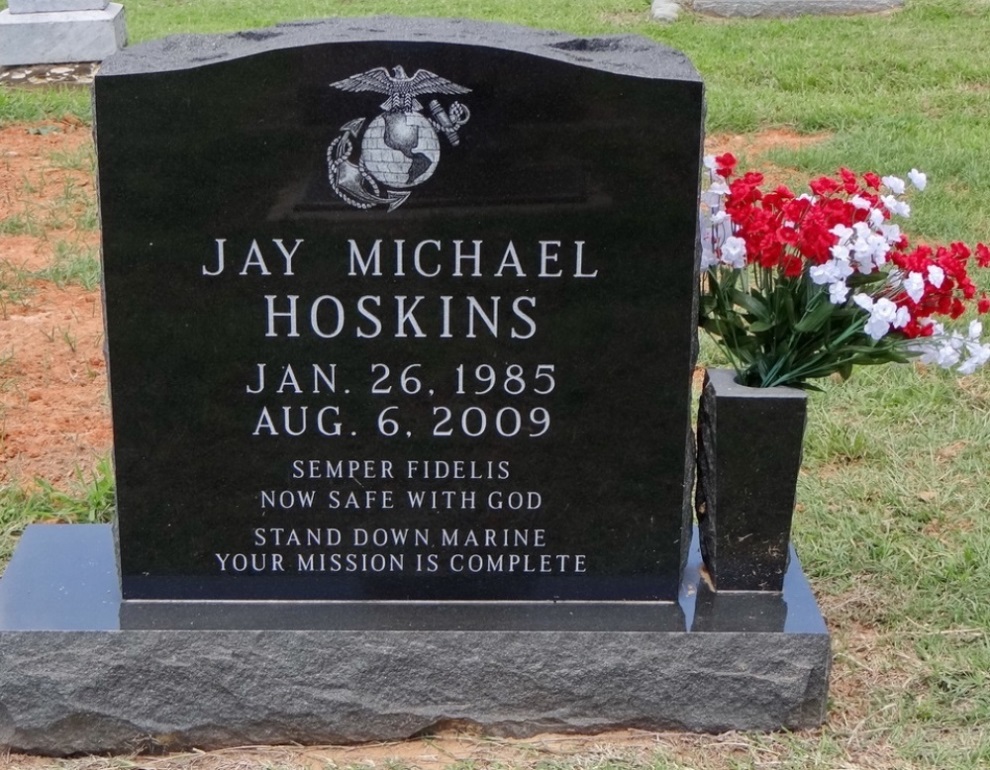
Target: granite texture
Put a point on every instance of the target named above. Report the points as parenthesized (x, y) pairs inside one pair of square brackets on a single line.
[(619, 54), (63, 36), (96, 688), (749, 456), (55, 6), (664, 10)]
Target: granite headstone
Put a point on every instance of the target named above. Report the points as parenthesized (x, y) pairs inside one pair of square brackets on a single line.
[(398, 319)]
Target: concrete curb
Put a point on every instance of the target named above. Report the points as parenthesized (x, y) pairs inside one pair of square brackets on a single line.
[(762, 9)]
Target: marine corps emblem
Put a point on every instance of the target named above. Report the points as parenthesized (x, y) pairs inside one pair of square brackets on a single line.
[(400, 148)]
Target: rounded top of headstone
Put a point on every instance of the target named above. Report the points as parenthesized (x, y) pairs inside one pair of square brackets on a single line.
[(619, 54)]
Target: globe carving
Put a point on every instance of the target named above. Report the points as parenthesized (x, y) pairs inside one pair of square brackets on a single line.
[(400, 149)]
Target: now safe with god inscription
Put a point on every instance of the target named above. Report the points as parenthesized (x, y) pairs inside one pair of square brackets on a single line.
[(400, 320)]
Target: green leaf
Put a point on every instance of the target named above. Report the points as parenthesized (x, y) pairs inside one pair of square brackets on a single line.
[(754, 304), (761, 326), (816, 318), (858, 279)]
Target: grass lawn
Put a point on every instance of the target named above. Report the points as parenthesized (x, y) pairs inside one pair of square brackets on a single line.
[(892, 522)]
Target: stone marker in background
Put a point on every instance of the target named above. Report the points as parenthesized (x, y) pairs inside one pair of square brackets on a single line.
[(60, 31), (401, 322)]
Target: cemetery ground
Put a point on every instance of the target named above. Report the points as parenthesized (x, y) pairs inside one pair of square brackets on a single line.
[(891, 524)]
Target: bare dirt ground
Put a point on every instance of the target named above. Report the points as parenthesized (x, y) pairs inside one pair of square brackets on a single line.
[(54, 414), (55, 425)]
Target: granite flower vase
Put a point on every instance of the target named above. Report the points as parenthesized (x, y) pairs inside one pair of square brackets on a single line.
[(749, 456)]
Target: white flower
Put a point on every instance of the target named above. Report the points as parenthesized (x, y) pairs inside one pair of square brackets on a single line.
[(975, 331), (876, 328), (711, 199), (895, 206), (978, 356), (891, 233), (718, 217), (831, 271), (936, 276), (902, 318), (915, 286), (918, 179), (708, 258), (859, 202), (840, 252), (877, 219), (842, 232), (947, 355), (865, 301), (883, 314), (884, 309), (869, 248), (837, 292), (820, 274), (734, 252), (709, 161), (894, 184)]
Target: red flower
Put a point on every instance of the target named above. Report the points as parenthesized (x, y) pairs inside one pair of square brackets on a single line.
[(787, 235), (849, 182), (725, 164), (982, 255), (823, 185)]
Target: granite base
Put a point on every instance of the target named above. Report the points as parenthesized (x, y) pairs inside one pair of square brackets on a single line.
[(62, 36), (73, 678)]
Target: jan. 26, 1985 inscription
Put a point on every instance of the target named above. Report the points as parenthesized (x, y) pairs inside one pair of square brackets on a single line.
[(345, 368)]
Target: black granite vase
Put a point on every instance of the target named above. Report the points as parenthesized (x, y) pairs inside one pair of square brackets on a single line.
[(749, 455)]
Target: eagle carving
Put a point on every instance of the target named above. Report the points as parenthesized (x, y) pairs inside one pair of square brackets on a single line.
[(400, 88)]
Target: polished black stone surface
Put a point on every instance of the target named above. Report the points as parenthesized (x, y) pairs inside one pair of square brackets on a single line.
[(749, 455), (519, 421), (64, 578)]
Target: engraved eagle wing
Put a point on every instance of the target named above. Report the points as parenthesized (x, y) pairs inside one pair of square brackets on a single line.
[(378, 80), (381, 81), (425, 82)]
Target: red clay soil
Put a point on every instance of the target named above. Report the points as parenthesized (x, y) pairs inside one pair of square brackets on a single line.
[(54, 415)]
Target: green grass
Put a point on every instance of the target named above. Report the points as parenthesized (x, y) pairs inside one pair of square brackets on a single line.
[(20, 105), (73, 264), (89, 500), (14, 287), (892, 525)]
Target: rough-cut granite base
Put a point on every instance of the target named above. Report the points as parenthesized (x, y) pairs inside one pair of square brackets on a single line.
[(72, 681), (62, 36)]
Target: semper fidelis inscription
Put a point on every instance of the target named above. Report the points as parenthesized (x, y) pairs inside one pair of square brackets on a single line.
[(406, 315)]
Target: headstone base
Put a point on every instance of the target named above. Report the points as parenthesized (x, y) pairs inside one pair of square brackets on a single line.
[(72, 680), (61, 37)]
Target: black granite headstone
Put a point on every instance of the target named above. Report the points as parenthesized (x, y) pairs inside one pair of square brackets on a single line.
[(406, 315)]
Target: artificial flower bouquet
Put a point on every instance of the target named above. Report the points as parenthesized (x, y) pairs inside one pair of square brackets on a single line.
[(798, 287)]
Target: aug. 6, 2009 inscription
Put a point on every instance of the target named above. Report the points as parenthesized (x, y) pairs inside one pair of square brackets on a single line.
[(369, 317)]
